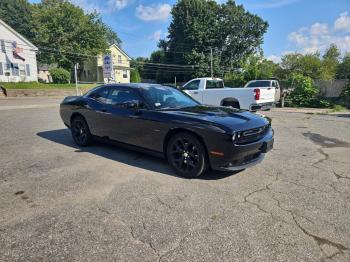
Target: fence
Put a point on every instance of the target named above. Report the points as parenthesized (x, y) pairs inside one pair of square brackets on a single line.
[(331, 89)]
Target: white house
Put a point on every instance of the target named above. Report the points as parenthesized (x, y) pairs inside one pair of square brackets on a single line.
[(17, 56)]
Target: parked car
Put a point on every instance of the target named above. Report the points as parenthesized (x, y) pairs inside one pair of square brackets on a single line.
[(269, 85), (167, 122), (212, 91)]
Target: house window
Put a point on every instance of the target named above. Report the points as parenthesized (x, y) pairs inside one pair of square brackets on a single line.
[(15, 69), (125, 74), (119, 59), (1, 70), (28, 69), (22, 70), (2, 44)]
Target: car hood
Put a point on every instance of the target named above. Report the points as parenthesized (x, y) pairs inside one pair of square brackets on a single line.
[(228, 118)]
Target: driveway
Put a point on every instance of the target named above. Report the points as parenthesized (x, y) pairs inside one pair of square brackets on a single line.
[(102, 203)]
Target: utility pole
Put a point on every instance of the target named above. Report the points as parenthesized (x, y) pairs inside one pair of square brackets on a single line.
[(211, 62), (76, 78)]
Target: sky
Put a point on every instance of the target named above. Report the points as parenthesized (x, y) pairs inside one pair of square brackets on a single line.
[(294, 25)]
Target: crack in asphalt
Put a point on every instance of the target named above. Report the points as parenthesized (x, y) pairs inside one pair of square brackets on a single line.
[(339, 176), (326, 157), (320, 241), (131, 230)]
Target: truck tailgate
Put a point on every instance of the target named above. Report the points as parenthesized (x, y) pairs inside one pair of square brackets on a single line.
[(267, 95)]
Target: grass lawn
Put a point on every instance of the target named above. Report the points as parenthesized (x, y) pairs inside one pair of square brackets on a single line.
[(37, 85)]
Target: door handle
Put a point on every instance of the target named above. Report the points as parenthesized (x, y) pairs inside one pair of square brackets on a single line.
[(195, 92), (104, 110)]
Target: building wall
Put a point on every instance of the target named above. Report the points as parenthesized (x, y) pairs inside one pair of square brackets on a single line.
[(17, 69), (121, 64)]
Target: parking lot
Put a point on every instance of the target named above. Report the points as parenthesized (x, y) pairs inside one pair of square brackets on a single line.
[(101, 203)]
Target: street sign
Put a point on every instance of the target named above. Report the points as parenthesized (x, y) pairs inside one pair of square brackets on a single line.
[(108, 67)]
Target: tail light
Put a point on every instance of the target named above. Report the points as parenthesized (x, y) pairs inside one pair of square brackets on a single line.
[(257, 94)]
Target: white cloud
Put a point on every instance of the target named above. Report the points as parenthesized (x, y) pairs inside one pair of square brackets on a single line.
[(319, 36), (157, 35), (343, 22), (118, 4), (274, 58), (274, 4), (159, 12)]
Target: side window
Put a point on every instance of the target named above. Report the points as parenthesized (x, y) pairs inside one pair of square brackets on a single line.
[(194, 85), (2, 44), (213, 84), (120, 96), (28, 69), (100, 95), (15, 69), (1, 69)]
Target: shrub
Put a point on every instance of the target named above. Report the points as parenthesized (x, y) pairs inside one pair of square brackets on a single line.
[(304, 91), (345, 94), (135, 76), (60, 75)]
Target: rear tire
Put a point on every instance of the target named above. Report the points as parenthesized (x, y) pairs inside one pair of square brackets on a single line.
[(187, 155), (80, 131)]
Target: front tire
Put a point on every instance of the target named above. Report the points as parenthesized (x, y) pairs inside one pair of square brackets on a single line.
[(80, 131), (187, 155)]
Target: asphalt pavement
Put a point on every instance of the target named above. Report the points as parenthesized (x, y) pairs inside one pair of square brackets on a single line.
[(59, 202)]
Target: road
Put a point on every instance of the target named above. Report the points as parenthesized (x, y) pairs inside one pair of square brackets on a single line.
[(60, 202)]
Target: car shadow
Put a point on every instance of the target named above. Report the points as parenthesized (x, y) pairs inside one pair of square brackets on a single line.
[(125, 156)]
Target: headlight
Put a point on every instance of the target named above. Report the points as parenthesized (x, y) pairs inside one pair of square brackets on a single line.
[(234, 136)]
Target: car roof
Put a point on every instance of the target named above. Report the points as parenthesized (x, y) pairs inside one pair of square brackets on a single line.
[(136, 85)]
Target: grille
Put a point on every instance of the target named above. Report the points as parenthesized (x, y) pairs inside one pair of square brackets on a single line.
[(252, 135)]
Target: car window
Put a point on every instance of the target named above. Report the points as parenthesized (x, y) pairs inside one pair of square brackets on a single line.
[(100, 94), (213, 84), (119, 96), (194, 85), (161, 97), (259, 84)]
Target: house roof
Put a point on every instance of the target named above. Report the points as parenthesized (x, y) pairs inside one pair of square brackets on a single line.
[(121, 50), (18, 35)]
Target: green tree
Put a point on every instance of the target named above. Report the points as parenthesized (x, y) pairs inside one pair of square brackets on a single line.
[(198, 26), (63, 32), (330, 63), (18, 15), (308, 65), (343, 69)]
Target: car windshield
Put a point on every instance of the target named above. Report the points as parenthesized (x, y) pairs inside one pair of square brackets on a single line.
[(163, 97), (259, 84)]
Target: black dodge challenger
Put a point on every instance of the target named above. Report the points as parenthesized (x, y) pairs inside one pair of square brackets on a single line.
[(167, 122)]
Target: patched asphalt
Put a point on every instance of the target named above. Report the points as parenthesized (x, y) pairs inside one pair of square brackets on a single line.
[(59, 202)]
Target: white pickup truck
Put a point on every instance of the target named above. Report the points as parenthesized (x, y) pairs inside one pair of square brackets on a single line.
[(212, 91), (269, 84)]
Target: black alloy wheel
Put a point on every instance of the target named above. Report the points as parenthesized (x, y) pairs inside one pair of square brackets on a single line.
[(80, 131), (187, 155)]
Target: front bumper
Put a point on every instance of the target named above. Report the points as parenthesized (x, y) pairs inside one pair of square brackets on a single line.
[(244, 156)]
